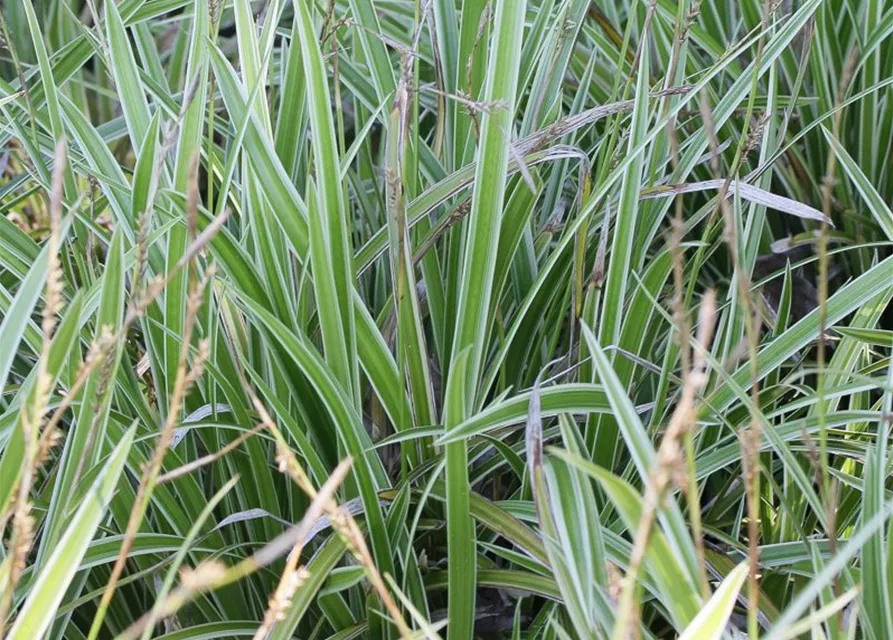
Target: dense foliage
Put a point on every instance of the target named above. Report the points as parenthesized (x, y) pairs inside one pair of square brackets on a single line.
[(491, 318)]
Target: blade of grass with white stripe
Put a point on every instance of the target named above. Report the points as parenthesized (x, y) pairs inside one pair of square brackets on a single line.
[(471, 72), (447, 40), (251, 63), (713, 618), (64, 340), (626, 215), (14, 323), (291, 114), (270, 248), (664, 563), (189, 144), (547, 512), (461, 552), (412, 353), (482, 234), (330, 248), (46, 73), (571, 398), (102, 162), (475, 288), (184, 548), (86, 437), (877, 561), (575, 544), (643, 455), (877, 609), (844, 301), (379, 365), (876, 205), (52, 91), (369, 35), (367, 466), (47, 592), (287, 205), (145, 179), (127, 79)]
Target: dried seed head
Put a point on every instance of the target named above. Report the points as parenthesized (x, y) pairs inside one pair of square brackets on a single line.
[(615, 582), (192, 198), (289, 465), (282, 597), (95, 354), (47, 443), (107, 343), (198, 364), (753, 138), (339, 520), (281, 460), (214, 7), (142, 252), (54, 300), (690, 19), (22, 537), (203, 576)]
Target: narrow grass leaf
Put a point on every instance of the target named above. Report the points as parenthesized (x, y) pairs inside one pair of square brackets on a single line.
[(49, 588), (710, 623)]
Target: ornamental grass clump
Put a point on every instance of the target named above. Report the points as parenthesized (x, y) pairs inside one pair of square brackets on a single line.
[(511, 318)]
